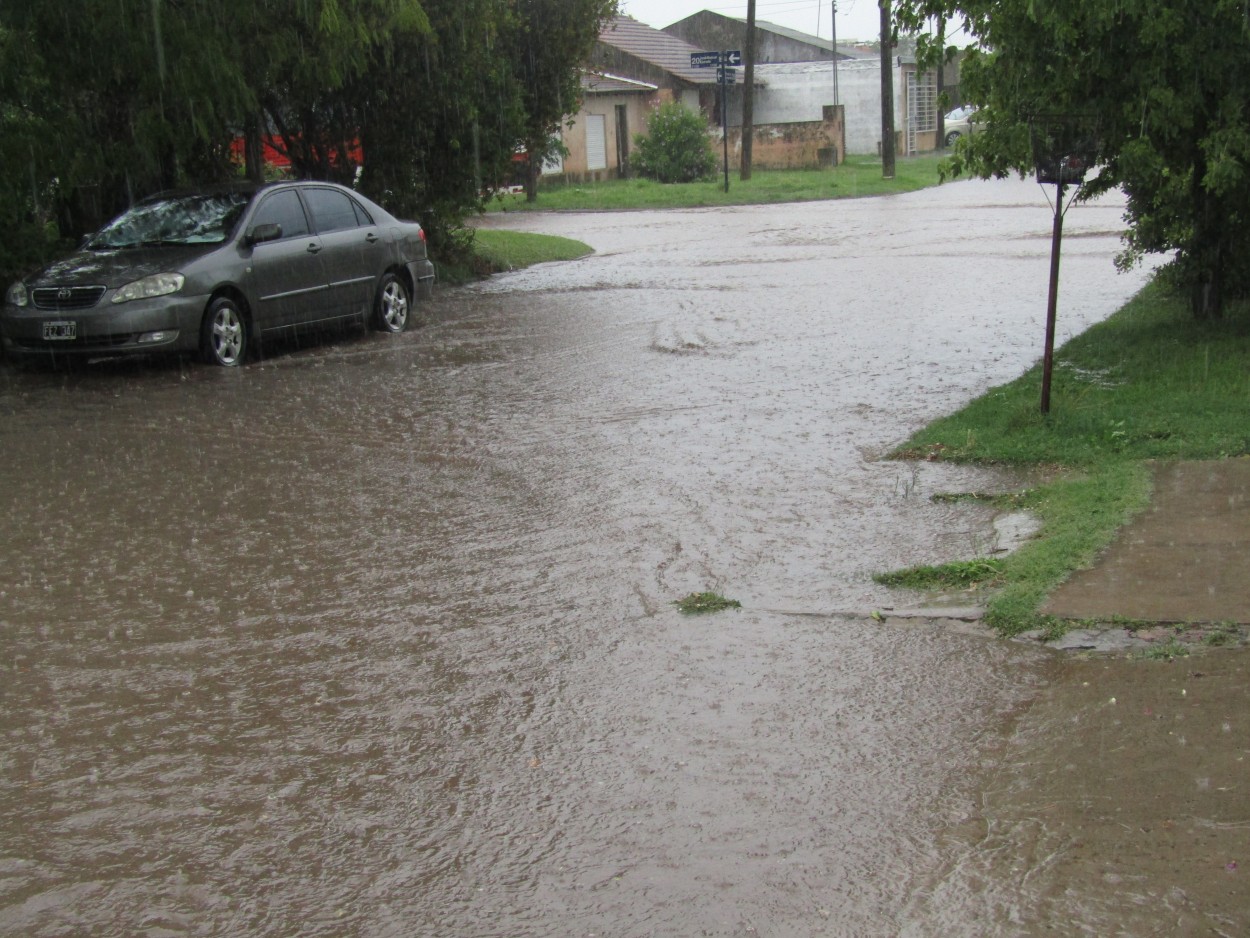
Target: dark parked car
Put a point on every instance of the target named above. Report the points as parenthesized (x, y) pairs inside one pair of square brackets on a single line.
[(217, 271)]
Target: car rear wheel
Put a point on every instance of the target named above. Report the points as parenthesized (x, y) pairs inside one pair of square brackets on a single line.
[(223, 338), (391, 308)]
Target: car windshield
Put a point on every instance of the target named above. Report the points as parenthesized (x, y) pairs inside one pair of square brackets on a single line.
[(183, 219)]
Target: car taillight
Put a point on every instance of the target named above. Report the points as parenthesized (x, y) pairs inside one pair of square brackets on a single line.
[(421, 233)]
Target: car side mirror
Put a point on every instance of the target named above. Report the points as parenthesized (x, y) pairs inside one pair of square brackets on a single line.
[(270, 231)]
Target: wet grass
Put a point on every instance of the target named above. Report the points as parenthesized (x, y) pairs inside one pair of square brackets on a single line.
[(511, 250), (858, 176), (697, 603), (1148, 383), (960, 574)]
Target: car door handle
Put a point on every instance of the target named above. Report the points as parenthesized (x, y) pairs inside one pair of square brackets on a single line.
[(371, 237), (314, 247)]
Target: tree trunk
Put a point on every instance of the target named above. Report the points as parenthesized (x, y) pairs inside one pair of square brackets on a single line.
[(1207, 253)]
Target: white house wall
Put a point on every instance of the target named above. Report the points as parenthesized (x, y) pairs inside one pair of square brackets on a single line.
[(799, 92)]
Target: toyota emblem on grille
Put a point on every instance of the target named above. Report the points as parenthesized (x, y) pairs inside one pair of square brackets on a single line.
[(64, 293)]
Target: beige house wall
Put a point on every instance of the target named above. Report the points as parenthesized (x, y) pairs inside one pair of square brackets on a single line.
[(637, 107)]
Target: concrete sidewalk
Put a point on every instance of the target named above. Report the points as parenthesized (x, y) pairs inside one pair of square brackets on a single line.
[(1185, 559)]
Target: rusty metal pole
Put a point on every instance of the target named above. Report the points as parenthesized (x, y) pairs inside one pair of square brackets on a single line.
[(1048, 357)]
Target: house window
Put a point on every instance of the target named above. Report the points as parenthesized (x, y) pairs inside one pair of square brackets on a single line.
[(596, 142)]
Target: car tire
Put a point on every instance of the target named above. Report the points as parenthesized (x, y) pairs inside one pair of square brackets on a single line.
[(393, 305), (952, 137), (224, 335)]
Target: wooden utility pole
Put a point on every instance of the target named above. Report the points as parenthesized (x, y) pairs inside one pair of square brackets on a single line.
[(748, 95), (887, 92), (941, 84)]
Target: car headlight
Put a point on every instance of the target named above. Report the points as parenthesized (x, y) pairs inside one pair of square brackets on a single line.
[(156, 285), (17, 295)]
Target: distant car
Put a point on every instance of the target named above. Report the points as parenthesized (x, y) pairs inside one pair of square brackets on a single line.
[(957, 123), (215, 271)]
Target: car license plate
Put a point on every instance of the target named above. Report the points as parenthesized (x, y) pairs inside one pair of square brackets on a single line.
[(59, 331)]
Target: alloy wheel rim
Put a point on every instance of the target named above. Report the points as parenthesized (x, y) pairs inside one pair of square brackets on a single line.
[(394, 306), (227, 336)]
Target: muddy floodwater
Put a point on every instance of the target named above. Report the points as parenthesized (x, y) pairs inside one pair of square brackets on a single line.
[(375, 637)]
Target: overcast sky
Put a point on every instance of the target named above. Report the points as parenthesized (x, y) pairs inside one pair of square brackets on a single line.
[(857, 19)]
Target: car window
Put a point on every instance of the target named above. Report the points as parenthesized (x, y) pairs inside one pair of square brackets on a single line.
[(284, 209), (196, 218), (362, 216), (331, 210)]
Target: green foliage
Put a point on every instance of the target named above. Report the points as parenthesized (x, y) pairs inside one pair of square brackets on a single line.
[(147, 95), (960, 574), (509, 250), (698, 603), (549, 35), (676, 147), (1148, 383), (1165, 83)]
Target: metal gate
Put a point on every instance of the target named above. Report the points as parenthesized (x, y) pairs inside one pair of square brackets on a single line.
[(921, 107)]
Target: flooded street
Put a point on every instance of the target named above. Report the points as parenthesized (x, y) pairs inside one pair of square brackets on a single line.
[(375, 637)]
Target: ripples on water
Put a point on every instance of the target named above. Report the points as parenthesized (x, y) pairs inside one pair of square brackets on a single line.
[(375, 637)]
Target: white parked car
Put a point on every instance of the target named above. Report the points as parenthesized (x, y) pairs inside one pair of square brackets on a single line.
[(957, 123)]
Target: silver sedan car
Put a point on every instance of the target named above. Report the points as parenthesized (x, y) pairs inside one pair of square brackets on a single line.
[(215, 272)]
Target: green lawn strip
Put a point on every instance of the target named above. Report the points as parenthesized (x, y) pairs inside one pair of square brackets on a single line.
[(1080, 515), (1148, 383), (490, 251), (858, 176), (511, 250)]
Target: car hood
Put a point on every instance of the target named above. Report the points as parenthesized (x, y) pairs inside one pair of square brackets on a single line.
[(114, 268)]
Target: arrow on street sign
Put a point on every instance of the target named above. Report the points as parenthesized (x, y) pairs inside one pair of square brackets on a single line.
[(726, 76), (732, 57), (704, 59)]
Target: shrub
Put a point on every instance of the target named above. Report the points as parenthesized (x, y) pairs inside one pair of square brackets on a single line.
[(676, 147)]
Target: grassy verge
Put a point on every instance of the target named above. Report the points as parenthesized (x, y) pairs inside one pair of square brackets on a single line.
[(1149, 383), (493, 251), (858, 176)]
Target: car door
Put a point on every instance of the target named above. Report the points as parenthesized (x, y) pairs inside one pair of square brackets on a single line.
[(354, 253), (288, 277)]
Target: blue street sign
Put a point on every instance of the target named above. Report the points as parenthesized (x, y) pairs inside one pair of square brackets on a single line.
[(727, 76), (704, 59), (732, 57)]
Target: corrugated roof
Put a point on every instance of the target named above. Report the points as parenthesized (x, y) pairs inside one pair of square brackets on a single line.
[(602, 83), (766, 69), (849, 52), (658, 48)]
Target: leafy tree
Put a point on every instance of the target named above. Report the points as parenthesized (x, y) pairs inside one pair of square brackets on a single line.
[(552, 39), (442, 122), (1168, 82), (676, 147), (147, 94)]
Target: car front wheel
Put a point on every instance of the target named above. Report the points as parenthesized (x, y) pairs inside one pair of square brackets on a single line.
[(223, 338), (392, 306), (952, 137)]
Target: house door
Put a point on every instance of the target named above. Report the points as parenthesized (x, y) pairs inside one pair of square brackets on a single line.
[(622, 141), (596, 143)]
